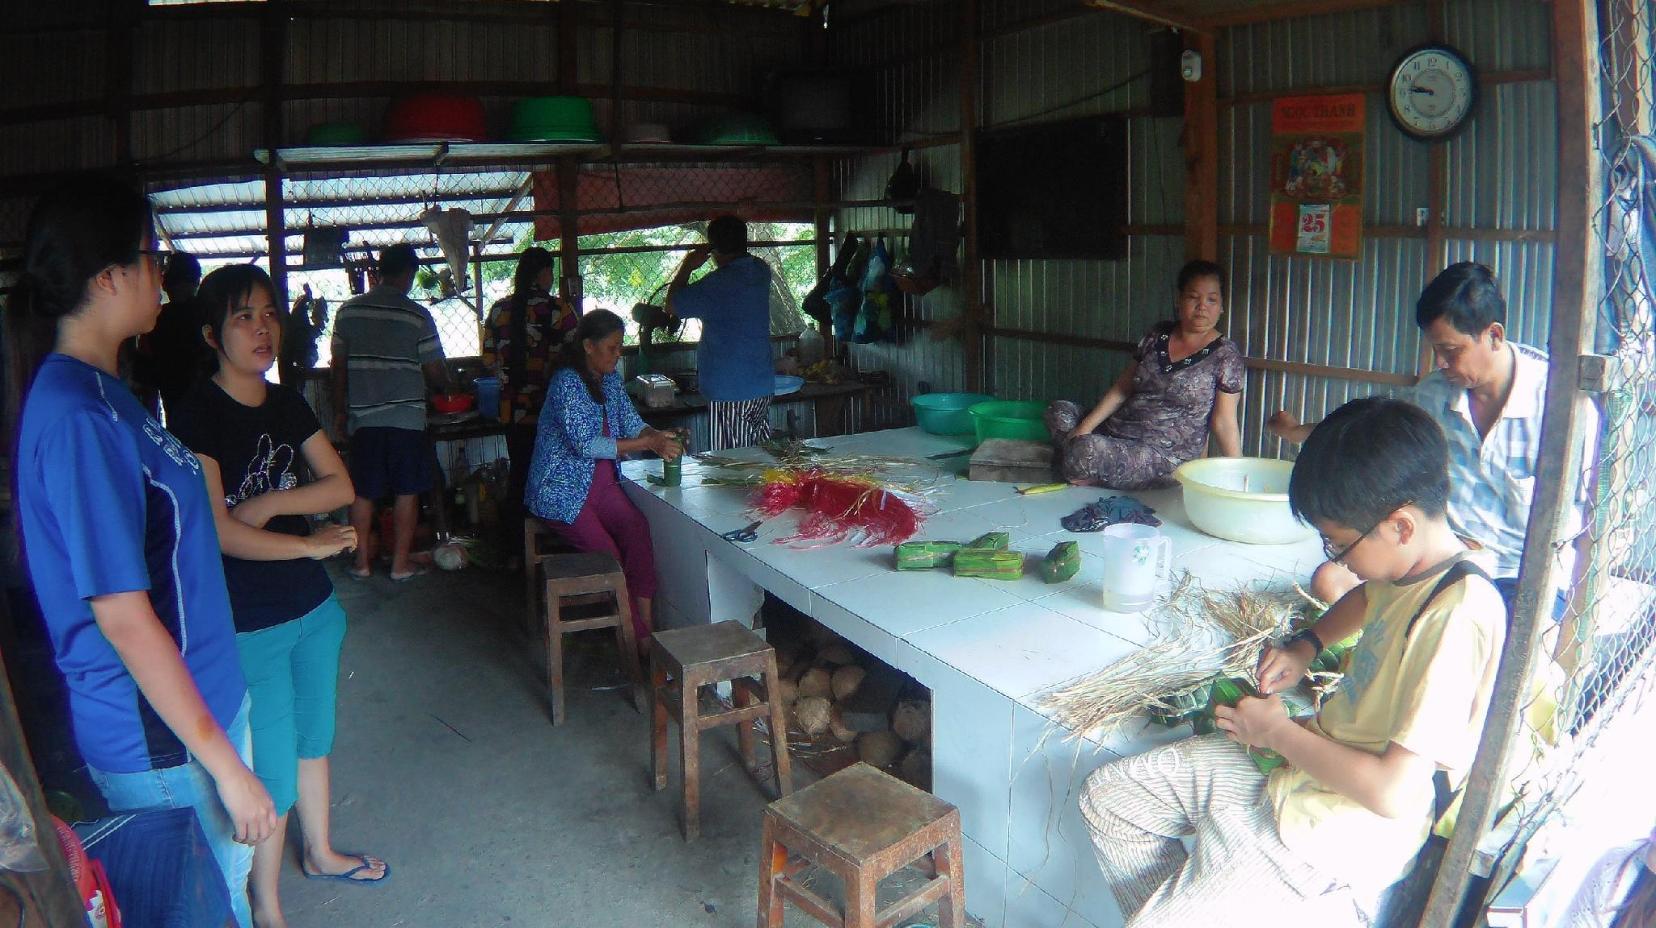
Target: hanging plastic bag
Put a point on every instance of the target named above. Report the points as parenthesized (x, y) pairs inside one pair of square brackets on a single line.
[(816, 304), (879, 293), (844, 295)]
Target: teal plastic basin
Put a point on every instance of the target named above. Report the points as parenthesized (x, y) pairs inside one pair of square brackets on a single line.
[(946, 413)]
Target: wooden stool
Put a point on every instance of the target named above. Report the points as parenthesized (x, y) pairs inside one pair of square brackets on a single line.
[(585, 580), (698, 656), (534, 551), (861, 825)]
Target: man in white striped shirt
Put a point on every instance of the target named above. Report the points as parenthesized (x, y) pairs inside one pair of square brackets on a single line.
[(385, 355), (1488, 394)]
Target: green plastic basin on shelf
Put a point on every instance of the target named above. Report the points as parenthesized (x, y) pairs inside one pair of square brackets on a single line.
[(946, 413), (1017, 420), (737, 129), (553, 119), (333, 134)]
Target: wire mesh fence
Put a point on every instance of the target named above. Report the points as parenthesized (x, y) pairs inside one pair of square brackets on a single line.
[(1603, 649), (468, 224)]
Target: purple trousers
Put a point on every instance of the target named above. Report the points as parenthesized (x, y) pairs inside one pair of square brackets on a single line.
[(610, 524)]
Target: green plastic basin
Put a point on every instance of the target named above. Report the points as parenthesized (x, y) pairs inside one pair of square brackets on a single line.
[(1017, 420), (552, 119)]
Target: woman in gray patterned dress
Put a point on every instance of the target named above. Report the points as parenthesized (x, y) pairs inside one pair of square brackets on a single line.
[(1184, 382)]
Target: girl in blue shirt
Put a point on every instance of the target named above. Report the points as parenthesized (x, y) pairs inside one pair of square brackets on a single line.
[(118, 533)]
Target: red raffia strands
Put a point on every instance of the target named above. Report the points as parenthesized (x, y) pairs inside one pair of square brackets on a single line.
[(837, 508)]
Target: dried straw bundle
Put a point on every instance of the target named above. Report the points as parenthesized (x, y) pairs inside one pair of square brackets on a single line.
[(1244, 618), (1148, 678), (1200, 633)]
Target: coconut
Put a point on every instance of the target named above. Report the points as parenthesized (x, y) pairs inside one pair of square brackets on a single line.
[(879, 748), (786, 692), (911, 720), (821, 635), (812, 714), (836, 724), (787, 654), (838, 653), (916, 768), (846, 680), (816, 682)]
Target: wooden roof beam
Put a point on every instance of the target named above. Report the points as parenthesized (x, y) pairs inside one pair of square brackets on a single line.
[(1290, 9), (1159, 13)]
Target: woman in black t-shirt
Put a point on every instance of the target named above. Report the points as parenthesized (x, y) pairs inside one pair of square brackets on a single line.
[(255, 439)]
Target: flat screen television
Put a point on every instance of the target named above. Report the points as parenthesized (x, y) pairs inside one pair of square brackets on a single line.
[(1054, 190)]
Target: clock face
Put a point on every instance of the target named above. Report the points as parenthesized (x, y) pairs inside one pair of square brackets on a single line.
[(1432, 92)]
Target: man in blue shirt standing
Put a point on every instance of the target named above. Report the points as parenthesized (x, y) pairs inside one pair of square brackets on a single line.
[(733, 360)]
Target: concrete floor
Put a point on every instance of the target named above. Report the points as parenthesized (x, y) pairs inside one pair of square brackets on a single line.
[(446, 765)]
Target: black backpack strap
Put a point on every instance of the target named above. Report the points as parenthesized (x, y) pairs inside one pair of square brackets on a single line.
[(1443, 792), (1457, 572)]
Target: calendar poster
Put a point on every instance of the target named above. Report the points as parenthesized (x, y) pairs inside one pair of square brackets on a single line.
[(1317, 175)]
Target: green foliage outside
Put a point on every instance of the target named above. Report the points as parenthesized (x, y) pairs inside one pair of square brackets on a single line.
[(617, 281)]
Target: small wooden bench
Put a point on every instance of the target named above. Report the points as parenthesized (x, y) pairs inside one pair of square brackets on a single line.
[(862, 826), (591, 580), (682, 661)]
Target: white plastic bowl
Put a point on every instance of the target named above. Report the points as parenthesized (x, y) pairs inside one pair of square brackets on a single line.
[(1241, 499)]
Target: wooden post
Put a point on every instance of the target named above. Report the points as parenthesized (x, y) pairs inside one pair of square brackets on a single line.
[(971, 271), (569, 246), (822, 221), (1201, 150), (569, 243), (1574, 64), (272, 52), (1437, 183)]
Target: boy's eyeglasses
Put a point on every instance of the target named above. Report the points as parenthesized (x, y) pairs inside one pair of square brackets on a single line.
[(1338, 555)]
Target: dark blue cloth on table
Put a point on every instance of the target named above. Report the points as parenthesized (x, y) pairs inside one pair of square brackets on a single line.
[(1109, 510), (160, 869)]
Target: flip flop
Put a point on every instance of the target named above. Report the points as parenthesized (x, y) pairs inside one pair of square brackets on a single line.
[(416, 572), (360, 576), (348, 876)]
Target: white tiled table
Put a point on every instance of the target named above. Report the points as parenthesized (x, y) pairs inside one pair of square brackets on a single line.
[(986, 649)]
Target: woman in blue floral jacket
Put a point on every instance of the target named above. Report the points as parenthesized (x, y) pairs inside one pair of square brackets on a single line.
[(586, 424)]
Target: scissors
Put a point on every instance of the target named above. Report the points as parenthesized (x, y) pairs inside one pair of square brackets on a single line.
[(743, 535)]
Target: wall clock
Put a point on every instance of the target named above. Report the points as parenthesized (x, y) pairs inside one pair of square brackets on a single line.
[(1432, 92)]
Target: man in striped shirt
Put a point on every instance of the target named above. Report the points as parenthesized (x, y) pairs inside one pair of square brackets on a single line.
[(1487, 393), (386, 355)]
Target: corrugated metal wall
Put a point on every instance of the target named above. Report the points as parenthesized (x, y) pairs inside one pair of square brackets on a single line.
[(1074, 66), (908, 61), (1355, 315), (1360, 314)]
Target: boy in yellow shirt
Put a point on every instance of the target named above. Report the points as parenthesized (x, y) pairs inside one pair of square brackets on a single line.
[(1324, 835)]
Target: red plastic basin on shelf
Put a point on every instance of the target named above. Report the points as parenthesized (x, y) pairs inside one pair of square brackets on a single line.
[(436, 117)]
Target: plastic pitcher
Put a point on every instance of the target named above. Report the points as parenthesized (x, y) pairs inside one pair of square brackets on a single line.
[(1136, 557), (488, 396)]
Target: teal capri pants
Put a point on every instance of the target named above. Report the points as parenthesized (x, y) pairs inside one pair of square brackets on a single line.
[(292, 672)]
